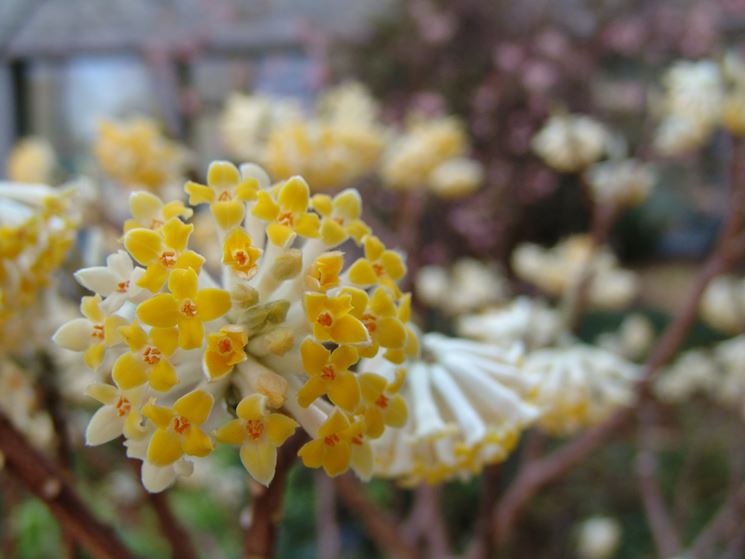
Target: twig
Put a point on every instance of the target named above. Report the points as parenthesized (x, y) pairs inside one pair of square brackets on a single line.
[(327, 527), (664, 533), (435, 532), (177, 537), (266, 506), (724, 522), (54, 406), (482, 545), (49, 483), (381, 528), (730, 247)]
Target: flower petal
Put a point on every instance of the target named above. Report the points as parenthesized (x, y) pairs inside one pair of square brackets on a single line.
[(105, 425), (195, 406), (260, 459)]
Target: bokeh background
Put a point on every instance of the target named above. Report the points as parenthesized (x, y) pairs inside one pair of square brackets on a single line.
[(503, 67)]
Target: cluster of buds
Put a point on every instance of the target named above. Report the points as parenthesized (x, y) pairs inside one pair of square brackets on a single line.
[(698, 98), (37, 229), (337, 144), (136, 155), (32, 160), (570, 143), (469, 403), (242, 357), (560, 269)]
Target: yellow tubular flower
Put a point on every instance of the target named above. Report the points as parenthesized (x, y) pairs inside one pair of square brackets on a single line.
[(259, 433), (162, 252), (281, 324), (150, 212)]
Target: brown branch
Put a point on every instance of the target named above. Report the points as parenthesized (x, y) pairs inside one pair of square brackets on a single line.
[(381, 527), (266, 505), (175, 534), (531, 479), (482, 545), (663, 529), (327, 527), (50, 484), (725, 522)]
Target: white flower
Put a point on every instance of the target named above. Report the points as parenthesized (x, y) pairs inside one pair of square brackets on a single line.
[(456, 177), (632, 340), (570, 143), (579, 386), (598, 538), (621, 183), (467, 405), (116, 282), (523, 321), (694, 372), (559, 269), (723, 304), (469, 285)]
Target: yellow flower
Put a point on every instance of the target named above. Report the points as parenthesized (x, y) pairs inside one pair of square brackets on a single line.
[(162, 252), (382, 323), (287, 215), (148, 358), (150, 212), (240, 254), (92, 334), (332, 448), (379, 266), (341, 217), (226, 193), (332, 319), (323, 273), (186, 307), (384, 406), (259, 433), (329, 374), (178, 430), (225, 349)]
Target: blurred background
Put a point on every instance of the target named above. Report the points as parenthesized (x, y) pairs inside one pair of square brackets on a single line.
[(503, 68)]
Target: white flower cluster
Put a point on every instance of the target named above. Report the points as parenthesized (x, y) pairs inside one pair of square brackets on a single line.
[(570, 143), (559, 269), (699, 97), (723, 304), (620, 183)]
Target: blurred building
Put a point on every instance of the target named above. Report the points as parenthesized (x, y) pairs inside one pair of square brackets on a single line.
[(66, 63)]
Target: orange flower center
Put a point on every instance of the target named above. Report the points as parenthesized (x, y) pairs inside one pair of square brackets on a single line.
[(168, 258), (189, 308), (151, 355), (180, 424), (382, 401), (241, 257), (370, 322), (325, 319), (286, 218), (224, 196), (122, 286), (123, 407), (328, 373), (225, 346), (98, 332), (378, 269), (357, 439), (155, 223), (331, 440), (255, 428)]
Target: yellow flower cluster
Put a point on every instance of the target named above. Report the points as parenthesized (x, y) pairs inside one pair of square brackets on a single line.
[(244, 356), (37, 229), (430, 154), (336, 145), (136, 155)]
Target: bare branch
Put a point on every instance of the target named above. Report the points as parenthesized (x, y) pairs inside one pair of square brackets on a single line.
[(49, 483)]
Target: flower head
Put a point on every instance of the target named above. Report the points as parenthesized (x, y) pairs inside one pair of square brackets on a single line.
[(282, 324), (570, 143)]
